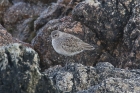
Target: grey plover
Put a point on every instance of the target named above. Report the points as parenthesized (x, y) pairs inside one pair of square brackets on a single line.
[(67, 44)]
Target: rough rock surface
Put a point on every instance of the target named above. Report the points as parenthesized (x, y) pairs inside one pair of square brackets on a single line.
[(19, 69), (103, 78), (5, 37), (20, 73), (19, 19), (34, 1), (110, 20), (112, 26), (42, 43), (52, 12), (131, 39), (4, 5), (106, 25)]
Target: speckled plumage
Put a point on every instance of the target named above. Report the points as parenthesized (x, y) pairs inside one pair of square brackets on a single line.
[(67, 44)]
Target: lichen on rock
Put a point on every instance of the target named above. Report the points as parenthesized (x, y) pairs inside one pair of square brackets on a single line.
[(19, 69)]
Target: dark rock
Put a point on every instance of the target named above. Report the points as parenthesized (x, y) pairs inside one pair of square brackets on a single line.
[(19, 69), (4, 5), (20, 73), (20, 17), (52, 12), (43, 1), (17, 1), (26, 30), (35, 1), (131, 39), (66, 2), (5, 37), (112, 26), (105, 24), (99, 79), (108, 21), (42, 43), (115, 85)]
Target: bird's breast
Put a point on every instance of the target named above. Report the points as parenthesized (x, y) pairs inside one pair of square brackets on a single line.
[(57, 46)]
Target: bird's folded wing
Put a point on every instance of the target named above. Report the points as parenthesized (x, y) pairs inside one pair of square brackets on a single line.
[(71, 44), (86, 46)]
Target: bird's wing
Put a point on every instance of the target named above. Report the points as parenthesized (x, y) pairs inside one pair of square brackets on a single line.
[(71, 44), (86, 46)]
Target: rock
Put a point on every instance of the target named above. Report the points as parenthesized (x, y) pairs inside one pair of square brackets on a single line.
[(35, 1), (109, 25), (42, 43), (19, 69), (105, 24), (64, 81), (20, 17), (52, 12), (69, 6), (5, 37), (20, 72), (131, 39), (4, 5), (26, 30), (115, 85), (42, 1), (20, 11), (108, 20), (66, 2), (74, 78), (17, 1)]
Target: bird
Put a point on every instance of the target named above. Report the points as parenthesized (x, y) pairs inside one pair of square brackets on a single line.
[(68, 44)]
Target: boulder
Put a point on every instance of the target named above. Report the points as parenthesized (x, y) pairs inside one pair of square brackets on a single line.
[(4, 5), (110, 20), (131, 40), (20, 72), (5, 37), (42, 43), (19, 20), (19, 69), (104, 77), (52, 12), (35, 1)]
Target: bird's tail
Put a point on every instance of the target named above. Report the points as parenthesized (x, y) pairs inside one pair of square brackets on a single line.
[(87, 46)]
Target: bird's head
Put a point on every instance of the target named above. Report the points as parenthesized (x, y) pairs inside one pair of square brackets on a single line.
[(55, 34)]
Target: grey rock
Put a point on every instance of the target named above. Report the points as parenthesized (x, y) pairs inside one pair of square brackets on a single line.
[(48, 56), (103, 78), (52, 12), (26, 30), (131, 38), (19, 69), (108, 20), (18, 14), (20, 72), (115, 85), (5, 37), (34, 1), (113, 23), (4, 5)]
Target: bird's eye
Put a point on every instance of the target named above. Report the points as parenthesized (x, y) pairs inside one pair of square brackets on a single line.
[(55, 35)]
